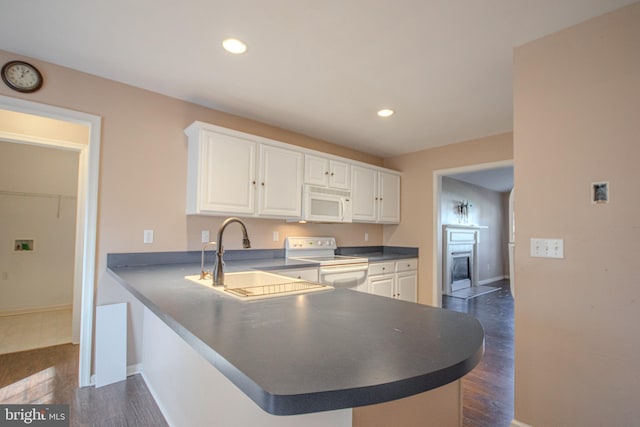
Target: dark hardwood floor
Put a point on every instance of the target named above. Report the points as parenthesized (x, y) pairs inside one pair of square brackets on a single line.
[(488, 389), (50, 376)]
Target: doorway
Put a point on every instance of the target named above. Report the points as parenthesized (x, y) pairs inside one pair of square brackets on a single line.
[(38, 205), (468, 174), (26, 130)]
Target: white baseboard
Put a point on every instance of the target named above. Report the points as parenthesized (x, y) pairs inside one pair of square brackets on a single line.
[(159, 403), (516, 423), (131, 370), (491, 280), (35, 309), (134, 369)]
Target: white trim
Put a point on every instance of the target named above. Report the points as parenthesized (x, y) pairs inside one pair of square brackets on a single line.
[(516, 423), (492, 279), (437, 221), (41, 309), (87, 212), (134, 369), (131, 370)]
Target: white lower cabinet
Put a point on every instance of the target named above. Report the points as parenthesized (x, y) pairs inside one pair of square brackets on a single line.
[(308, 274), (394, 279)]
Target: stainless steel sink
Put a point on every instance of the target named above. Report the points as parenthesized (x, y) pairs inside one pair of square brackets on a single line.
[(254, 285)]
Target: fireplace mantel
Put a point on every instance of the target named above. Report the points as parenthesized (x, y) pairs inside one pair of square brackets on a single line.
[(465, 226)]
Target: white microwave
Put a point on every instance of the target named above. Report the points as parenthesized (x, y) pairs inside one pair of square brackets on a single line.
[(324, 204)]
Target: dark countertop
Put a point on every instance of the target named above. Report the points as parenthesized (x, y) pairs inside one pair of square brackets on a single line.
[(316, 352), (379, 253)]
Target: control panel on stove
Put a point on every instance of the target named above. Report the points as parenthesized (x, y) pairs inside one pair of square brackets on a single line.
[(305, 243)]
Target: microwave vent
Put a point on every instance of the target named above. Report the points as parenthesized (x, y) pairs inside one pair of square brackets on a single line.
[(325, 190)]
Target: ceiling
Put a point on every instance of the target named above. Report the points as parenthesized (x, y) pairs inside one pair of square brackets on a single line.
[(498, 179), (320, 68)]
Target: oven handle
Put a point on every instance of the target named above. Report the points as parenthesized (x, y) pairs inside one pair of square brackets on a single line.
[(347, 269)]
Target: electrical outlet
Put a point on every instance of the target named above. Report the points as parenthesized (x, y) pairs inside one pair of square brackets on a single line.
[(205, 236), (547, 248), (276, 236), (148, 236), (366, 237)]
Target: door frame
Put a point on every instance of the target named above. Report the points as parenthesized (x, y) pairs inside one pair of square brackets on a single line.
[(437, 220), (86, 213)]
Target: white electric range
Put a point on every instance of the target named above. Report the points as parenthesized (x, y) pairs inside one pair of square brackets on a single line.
[(336, 270)]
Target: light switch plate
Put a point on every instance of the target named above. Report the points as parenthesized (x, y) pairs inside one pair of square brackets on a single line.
[(205, 236), (547, 248), (148, 236)]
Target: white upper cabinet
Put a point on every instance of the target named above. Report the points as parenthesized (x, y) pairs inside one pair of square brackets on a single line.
[(221, 174), (364, 186), (327, 172), (229, 175), (280, 182), (388, 198), (376, 195), (235, 173)]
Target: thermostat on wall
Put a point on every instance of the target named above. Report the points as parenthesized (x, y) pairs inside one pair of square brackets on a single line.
[(599, 192), (23, 245)]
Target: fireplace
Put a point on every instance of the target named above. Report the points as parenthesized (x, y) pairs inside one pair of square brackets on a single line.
[(461, 263), (460, 257)]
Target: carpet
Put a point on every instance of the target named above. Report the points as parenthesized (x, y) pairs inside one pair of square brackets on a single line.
[(472, 292)]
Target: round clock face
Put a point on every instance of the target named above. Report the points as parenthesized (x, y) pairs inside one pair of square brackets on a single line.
[(21, 76)]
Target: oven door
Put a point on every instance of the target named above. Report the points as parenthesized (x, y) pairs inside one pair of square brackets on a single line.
[(347, 276)]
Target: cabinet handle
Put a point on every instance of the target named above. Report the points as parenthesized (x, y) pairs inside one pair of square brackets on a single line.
[(383, 268), (331, 173), (380, 198), (326, 173), (376, 198), (262, 184)]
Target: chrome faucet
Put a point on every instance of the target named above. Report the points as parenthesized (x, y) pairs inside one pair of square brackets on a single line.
[(218, 272)]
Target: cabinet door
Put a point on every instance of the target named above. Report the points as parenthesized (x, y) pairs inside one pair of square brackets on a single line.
[(316, 170), (339, 175), (407, 286), (308, 274), (389, 195), (382, 285), (227, 174), (363, 193), (280, 183)]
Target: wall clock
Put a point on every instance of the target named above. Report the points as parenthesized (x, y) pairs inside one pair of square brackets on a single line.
[(21, 76)]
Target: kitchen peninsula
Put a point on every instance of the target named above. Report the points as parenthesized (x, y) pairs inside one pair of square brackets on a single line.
[(210, 358)]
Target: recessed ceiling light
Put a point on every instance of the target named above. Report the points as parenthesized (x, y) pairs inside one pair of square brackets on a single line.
[(234, 46), (386, 112)]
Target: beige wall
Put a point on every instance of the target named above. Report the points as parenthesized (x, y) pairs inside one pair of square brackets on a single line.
[(577, 109), (143, 173), (416, 226)]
